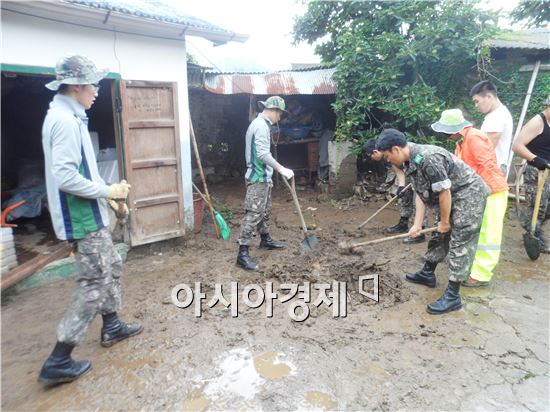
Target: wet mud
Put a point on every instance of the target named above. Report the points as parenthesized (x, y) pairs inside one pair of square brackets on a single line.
[(383, 355)]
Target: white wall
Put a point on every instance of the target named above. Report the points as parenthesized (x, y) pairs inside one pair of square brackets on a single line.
[(37, 42)]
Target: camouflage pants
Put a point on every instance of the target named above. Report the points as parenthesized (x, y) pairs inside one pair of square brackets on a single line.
[(530, 179), (257, 211), (98, 287), (460, 243)]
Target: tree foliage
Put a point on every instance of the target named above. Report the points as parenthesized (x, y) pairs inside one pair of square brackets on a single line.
[(192, 59), (535, 13), (398, 63)]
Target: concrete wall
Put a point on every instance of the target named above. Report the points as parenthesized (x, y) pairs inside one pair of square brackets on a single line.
[(32, 41), (342, 169)]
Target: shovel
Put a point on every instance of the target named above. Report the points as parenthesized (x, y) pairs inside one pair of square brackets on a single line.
[(530, 241), (311, 241), (352, 246), (383, 207)]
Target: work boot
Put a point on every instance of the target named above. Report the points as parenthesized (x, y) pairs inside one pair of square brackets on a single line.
[(425, 276), (401, 227), (243, 259), (268, 243), (413, 240), (449, 301), (114, 330), (60, 367)]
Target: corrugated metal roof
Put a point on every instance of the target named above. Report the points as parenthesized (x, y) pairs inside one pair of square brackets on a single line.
[(284, 83), (523, 39), (151, 9)]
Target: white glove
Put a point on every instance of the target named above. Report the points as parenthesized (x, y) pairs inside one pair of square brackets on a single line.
[(119, 191), (287, 173)]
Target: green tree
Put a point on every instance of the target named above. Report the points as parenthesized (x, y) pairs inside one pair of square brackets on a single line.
[(535, 13), (192, 59), (398, 63)]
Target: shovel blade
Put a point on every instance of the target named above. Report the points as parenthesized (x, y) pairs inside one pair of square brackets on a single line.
[(309, 243), (532, 245)]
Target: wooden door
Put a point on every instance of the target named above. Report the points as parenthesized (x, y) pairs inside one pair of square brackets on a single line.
[(152, 160)]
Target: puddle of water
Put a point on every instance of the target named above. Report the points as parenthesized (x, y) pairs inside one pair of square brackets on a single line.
[(483, 319), (374, 372), (394, 321), (268, 366), (199, 403), (239, 376), (375, 369), (320, 401), (481, 292), (133, 363)]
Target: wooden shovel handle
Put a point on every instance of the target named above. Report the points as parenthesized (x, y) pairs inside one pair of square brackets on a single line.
[(200, 193), (296, 203), (540, 184), (384, 239), (203, 178), (383, 207)]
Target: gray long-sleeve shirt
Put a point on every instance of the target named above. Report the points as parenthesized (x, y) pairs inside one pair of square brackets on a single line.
[(259, 161)]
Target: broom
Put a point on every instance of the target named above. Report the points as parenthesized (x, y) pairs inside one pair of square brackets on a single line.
[(225, 231)]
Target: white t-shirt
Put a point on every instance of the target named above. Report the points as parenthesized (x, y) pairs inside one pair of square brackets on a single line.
[(500, 121)]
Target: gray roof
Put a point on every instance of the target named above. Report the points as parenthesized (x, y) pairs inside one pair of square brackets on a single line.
[(151, 9), (523, 39)]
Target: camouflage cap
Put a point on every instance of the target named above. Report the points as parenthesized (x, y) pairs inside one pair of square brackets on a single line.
[(274, 102), (76, 70)]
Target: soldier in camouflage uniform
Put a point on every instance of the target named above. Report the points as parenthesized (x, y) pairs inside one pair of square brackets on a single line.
[(406, 197), (442, 180), (77, 200), (260, 164), (533, 144)]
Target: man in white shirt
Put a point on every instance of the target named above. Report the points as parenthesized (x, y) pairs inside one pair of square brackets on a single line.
[(498, 123)]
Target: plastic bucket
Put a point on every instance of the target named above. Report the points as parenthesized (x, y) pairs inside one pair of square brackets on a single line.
[(198, 206)]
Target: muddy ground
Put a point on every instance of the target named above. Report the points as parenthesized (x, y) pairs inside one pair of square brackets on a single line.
[(389, 355)]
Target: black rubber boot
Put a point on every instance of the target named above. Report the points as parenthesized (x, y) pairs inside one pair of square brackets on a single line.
[(243, 259), (114, 330), (401, 227), (61, 368), (268, 243), (449, 301), (425, 276), (413, 240)]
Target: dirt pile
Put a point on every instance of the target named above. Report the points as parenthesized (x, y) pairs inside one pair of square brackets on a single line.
[(326, 264)]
